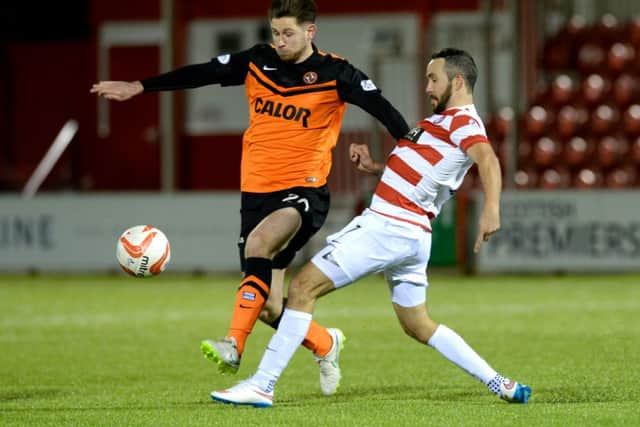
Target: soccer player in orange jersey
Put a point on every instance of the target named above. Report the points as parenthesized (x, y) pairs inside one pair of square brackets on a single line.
[(297, 95)]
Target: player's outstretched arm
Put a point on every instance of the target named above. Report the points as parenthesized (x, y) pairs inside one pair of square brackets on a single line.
[(491, 179), (360, 155), (117, 91)]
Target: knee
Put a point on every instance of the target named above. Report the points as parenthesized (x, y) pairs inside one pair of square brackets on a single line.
[(256, 246), (271, 311), (422, 331)]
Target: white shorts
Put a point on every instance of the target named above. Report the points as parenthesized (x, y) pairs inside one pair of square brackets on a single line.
[(371, 243)]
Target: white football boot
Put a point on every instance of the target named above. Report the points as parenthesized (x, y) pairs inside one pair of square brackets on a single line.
[(329, 364), (245, 393)]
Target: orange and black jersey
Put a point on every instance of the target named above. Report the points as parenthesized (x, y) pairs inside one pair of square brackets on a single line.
[(295, 111)]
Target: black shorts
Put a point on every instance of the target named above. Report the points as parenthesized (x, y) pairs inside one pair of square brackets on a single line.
[(312, 203)]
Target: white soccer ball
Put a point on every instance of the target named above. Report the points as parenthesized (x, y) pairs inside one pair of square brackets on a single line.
[(143, 251)]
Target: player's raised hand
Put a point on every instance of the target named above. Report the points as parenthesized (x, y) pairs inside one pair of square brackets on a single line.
[(360, 155), (489, 223), (117, 91)]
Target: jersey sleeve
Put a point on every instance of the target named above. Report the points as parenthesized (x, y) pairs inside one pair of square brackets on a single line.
[(226, 70), (356, 88), (467, 131)]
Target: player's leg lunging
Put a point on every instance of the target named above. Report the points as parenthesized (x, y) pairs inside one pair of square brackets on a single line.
[(453, 347), (250, 298)]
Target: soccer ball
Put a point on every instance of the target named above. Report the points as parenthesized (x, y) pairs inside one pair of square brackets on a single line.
[(143, 251)]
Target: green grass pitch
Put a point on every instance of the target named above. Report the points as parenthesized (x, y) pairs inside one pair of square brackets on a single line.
[(119, 351)]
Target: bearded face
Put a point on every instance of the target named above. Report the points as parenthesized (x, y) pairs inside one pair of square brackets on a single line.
[(439, 103)]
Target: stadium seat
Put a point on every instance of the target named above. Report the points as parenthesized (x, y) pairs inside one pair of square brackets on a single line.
[(594, 89), (587, 178), (591, 58), (620, 56), (577, 151), (554, 178), (524, 153), (620, 178), (611, 150), (504, 121), (500, 124), (525, 178), (536, 121), (625, 90), (576, 28), (631, 121), (562, 90), (546, 152), (570, 120), (604, 119)]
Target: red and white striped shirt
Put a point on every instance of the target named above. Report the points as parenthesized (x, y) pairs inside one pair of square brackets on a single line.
[(428, 165)]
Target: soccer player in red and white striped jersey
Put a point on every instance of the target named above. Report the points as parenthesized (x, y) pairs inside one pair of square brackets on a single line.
[(394, 234)]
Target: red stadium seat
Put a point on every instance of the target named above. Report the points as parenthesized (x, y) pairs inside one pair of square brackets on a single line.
[(620, 57), (576, 28), (594, 90), (524, 149), (587, 178), (604, 119), (562, 90), (611, 150), (625, 90), (504, 121), (570, 120), (620, 178), (591, 58), (525, 178), (577, 152), (552, 179), (536, 121), (500, 124), (546, 152), (631, 121)]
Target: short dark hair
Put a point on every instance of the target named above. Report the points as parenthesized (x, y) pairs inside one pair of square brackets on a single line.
[(302, 10), (457, 61)]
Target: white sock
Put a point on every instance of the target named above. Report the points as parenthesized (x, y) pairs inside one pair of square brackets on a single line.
[(454, 348), (284, 343)]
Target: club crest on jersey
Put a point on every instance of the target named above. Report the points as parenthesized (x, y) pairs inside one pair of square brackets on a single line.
[(310, 77), (224, 59)]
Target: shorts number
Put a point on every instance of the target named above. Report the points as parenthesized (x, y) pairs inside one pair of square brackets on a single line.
[(294, 197)]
